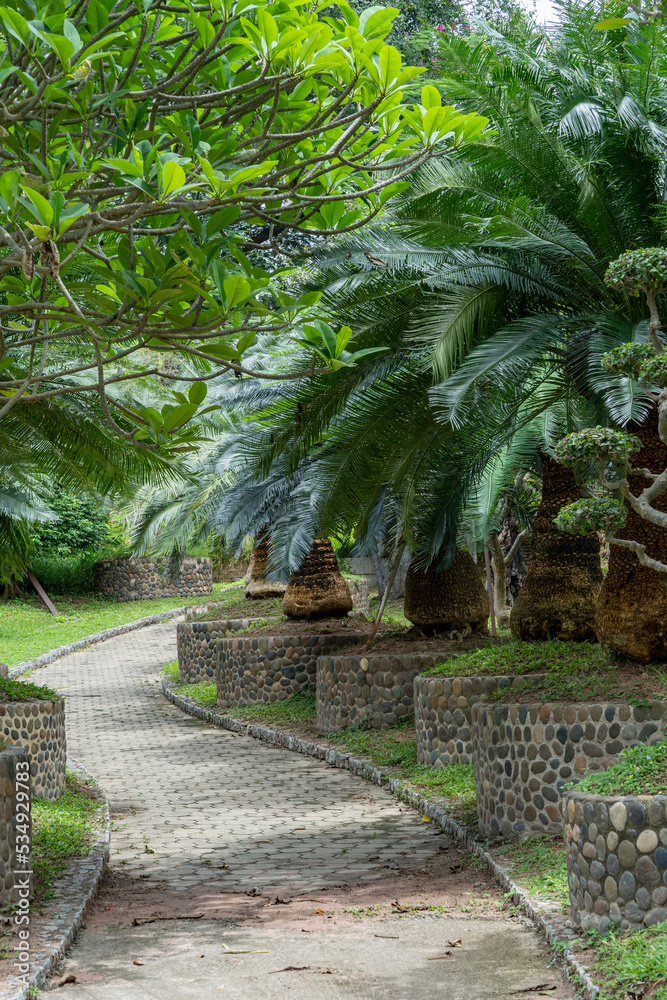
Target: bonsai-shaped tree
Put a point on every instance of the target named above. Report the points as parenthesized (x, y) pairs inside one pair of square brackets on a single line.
[(631, 508)]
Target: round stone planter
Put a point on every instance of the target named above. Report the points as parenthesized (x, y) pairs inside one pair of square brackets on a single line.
[(443, 714), (14, 821), (38, 727), (140, 579), (196, 643), (524, 754), (255, 669), (616, 859), (352, 690)]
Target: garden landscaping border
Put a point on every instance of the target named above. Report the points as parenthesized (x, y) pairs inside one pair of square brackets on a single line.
[(552, 925), (75, 890)]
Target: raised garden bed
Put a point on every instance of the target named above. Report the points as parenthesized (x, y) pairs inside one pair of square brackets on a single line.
[(34, 718), (616, 843), (372, 689), (141, 578), (268, 668), (196, 644)]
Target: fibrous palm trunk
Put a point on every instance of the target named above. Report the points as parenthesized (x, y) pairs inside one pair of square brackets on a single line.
[(632, 611), (450, 599), (317, 589), (256, 586), (564, 577)]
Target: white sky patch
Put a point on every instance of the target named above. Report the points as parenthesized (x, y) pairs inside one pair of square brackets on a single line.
[(545, 11)]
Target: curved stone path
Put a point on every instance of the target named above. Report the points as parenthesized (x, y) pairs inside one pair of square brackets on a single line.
[(234, 859)]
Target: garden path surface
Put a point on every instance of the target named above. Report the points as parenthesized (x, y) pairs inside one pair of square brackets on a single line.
[(241, 870)]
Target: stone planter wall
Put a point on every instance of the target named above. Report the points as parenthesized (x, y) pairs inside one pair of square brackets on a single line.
[(616, 859), (361, 596), (443, 714), (372, 689), (38, 727), (196, 643), (524, 754), (15, 822), (140, 579), (269, 668)]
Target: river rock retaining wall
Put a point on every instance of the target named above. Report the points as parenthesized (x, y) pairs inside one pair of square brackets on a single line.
[(352, 690), (524, 754), (361, 597), (14, 818), (616, 859), (140, 579), (196, 643), (38, 727), (269, 668), (443, 714)]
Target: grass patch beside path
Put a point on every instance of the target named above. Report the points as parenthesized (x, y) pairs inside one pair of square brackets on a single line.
[(61, 830), (537, 865), (27, 629), (632, 964)]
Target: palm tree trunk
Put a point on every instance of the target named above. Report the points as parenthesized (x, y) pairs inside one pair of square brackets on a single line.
[(632, 611), (564, 576), (450, 599), (317, 589), (256, 586)]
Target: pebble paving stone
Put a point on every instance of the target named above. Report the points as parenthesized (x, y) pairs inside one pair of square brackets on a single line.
[(199, 798)]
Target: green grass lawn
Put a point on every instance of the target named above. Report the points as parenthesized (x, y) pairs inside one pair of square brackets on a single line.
[(27, 629), (61, 830)]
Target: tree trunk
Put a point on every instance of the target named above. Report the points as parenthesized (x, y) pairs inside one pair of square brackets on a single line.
[(499, 581), (450, 599), (256, 586), (632, 611), (517, 569), (382, 567), (317, 589), (564, 576)]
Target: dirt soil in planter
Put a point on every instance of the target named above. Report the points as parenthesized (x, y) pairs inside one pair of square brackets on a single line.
[(414, 641), (315, 626), (624, 681)]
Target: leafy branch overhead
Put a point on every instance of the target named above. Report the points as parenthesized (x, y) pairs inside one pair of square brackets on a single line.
[(138, 146), (639, 271)]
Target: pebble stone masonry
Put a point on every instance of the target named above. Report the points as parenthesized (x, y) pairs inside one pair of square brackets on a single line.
[(356, 689), (140, 579), (269, 668), (197, 643), (616, 859), (443, 714), (524, 754), (9, 860), (38, 727)]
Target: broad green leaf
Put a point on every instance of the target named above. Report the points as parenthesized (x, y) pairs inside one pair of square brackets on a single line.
[(612, 23), (430, 97), (197, 392), (237, 289), (173, 178)]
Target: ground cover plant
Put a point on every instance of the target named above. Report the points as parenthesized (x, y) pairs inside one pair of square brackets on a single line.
[(573, 671), (61, 830), (27, 629), (641, 770), (632, 965), (25, 691), (537, 865)]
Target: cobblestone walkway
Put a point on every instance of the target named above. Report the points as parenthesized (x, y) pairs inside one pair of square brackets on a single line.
[(201, 813)]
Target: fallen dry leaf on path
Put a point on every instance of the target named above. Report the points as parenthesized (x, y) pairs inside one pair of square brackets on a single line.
[(534, 989), (253, 951), (392, 937), (455, 944), (71, 978), (289, 968), (436, 958), (137, 961), (318, 910)]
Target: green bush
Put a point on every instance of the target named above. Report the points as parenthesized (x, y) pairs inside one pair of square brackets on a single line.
[(25, 691), (61, 574), (641, 770), (82, 524)]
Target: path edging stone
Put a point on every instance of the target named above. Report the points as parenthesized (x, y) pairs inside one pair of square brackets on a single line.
[(75, 889), (427, 807)]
